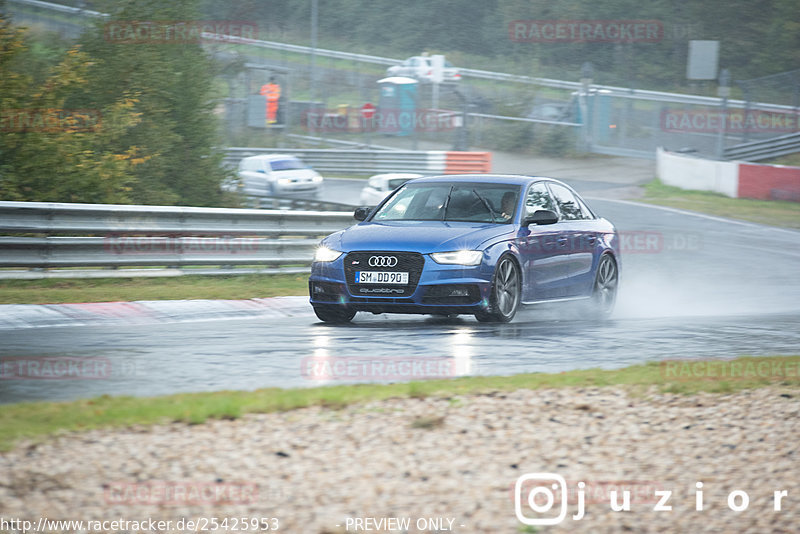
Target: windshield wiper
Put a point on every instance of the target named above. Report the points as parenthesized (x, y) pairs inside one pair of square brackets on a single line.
[(447, 202), (485, 203)]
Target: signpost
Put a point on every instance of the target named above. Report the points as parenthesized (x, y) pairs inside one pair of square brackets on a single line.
[(367, 112)]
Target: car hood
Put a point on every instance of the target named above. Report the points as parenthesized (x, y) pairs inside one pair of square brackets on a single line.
[(416, 236)]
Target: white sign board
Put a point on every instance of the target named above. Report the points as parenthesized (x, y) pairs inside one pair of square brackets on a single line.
[(437, 66), (703, 60)]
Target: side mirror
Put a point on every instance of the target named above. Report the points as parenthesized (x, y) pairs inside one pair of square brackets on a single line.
[(361, 213), (541, 217)]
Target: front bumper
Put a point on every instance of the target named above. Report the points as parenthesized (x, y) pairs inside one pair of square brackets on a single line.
[(295, 187), (438, 289)]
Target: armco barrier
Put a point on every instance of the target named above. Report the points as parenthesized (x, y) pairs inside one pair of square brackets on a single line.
[(118, 219), (468, 162), (735, 179), (122, 236), (344, 162)]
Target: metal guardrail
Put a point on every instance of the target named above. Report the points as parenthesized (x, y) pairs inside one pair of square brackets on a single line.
[(121, 236), (60, 8), (118, 219), (329, 141), (765, 149), (611, 90), (338, 161), (48, 252), (292, 203)]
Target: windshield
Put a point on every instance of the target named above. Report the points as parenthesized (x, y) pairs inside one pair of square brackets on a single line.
[(287, 164), (461, 201)]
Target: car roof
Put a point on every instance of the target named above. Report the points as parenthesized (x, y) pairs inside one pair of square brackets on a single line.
[(518, 179), (393, 175)]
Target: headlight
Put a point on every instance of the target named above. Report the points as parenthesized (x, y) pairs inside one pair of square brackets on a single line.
[(316, 179), (326, 254), (459, 257)]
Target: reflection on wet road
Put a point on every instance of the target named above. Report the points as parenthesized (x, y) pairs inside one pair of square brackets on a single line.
[(693, 287)]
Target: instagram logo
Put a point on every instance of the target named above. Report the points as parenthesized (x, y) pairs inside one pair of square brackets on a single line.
[(542, 490)]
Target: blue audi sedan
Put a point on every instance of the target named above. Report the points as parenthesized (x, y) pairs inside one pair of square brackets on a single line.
[(468, 244)]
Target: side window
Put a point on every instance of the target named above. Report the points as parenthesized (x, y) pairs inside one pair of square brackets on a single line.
[(568, 205), (538, 198)]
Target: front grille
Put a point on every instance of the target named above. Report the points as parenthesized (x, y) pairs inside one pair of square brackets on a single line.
[(410, 262)]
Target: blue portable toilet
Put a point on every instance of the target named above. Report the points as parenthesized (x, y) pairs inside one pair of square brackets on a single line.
[(397, 105)]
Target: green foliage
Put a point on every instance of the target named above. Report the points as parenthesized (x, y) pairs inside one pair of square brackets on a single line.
[(47, 155), (556, 141), (149, 109), (771, 212), (173, 88), (52, 290)]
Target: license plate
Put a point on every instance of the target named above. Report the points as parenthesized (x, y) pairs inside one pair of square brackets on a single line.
[(381, 277)]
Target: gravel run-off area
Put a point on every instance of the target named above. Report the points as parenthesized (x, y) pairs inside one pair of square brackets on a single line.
[(453, 460)]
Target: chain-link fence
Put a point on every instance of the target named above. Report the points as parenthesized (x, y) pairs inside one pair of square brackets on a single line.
[(323, 92)]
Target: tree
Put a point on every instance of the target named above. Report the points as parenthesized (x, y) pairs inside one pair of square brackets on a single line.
[(49, 152), (170, 84)]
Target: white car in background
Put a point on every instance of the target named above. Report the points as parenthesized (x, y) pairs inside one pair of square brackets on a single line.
[(276, 174), (421, 68), (380, 185)]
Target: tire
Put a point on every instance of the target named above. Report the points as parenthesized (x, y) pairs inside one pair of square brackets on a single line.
[(334, 314), (506, 293), (604, 291)]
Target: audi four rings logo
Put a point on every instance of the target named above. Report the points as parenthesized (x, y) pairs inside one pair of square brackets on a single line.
[(382, 261)]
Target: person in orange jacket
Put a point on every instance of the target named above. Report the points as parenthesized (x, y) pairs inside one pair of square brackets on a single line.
[(272, 91)]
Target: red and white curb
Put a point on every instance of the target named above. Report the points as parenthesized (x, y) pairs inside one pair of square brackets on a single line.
[(16, 316)]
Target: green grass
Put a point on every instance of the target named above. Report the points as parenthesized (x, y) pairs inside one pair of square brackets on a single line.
[(41, 419), (775, 213), (792, 160), (52, 290)]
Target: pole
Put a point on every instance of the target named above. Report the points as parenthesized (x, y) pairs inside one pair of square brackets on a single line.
[(723, 91), (313, 74), (314, 21)]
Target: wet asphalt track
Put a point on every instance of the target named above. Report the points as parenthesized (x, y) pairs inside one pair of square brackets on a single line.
[(692, 287)]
